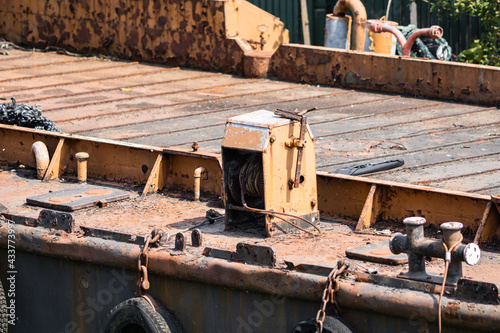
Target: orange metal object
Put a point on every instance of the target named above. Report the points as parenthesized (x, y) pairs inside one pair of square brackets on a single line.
[(358, 20)]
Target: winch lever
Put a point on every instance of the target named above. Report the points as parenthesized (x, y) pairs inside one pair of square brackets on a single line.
[(297, 116)]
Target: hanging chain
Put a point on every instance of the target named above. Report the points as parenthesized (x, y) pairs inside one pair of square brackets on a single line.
[(331, 287), (142, 261)]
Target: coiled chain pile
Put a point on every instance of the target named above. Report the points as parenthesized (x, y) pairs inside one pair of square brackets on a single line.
[(26, 116)]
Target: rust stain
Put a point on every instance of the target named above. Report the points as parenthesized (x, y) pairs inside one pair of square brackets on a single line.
[(61, 199), (317, 65), (191, 33), (97, 192)]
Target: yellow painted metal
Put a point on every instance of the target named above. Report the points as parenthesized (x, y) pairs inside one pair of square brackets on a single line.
[(81, 166), (345, 196), (56, 166), (110, 160), (490, 222), (263, 132), (380, 72), (157, 176), (279, 164), (200, 33), (384, 42), (359, 20), (249, 22), (223, 35), (370, 209), (338, 195)]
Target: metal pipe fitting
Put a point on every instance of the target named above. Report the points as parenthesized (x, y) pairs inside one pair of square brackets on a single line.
[(417, 247), (451, 233), (81, 166), (359, 20), (432, 32), (40, 155), (197, 182), (379, 27)]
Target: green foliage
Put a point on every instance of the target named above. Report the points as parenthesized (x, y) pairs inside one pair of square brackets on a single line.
[(486, 50)]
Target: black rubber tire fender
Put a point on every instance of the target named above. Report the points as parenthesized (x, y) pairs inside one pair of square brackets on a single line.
[(137, 315), (330, 325)]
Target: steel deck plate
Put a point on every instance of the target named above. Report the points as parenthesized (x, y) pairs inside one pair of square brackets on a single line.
[(377, 252), (79, 197)]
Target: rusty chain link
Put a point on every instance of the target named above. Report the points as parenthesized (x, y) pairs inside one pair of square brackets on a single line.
[(142, 261), (329, 294)]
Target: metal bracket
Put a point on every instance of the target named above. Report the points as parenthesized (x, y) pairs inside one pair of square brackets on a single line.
[(116, 236), (47, 219), (370, 210), (490, 220), (301, 118), (196, 238), (481, 292), (55, 220), (255, 254), (180, 242), (157, 176), (251, 254), (19, 219)]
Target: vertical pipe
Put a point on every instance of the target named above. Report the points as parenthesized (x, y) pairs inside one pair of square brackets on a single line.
[(197, 182), (359, 20), (40, 155), (415, 233), (81, 166)]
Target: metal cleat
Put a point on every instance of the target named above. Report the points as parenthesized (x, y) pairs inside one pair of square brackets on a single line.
[(417, 247)]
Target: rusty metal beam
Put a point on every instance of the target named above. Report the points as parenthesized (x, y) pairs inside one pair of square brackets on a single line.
[(338, 195), (398, 302), (110, 160), (414, 76), (197, 33), (226, 35), (345, 196)]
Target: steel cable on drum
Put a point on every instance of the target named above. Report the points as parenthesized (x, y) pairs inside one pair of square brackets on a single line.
[(254, 176), (255, 188)]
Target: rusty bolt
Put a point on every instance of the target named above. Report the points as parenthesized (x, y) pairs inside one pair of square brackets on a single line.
[(195, 146), (272, 139), (313, 202)]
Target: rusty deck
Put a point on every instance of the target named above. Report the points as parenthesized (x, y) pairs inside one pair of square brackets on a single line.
[(446, 145), (175, 212), (137, 120)]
